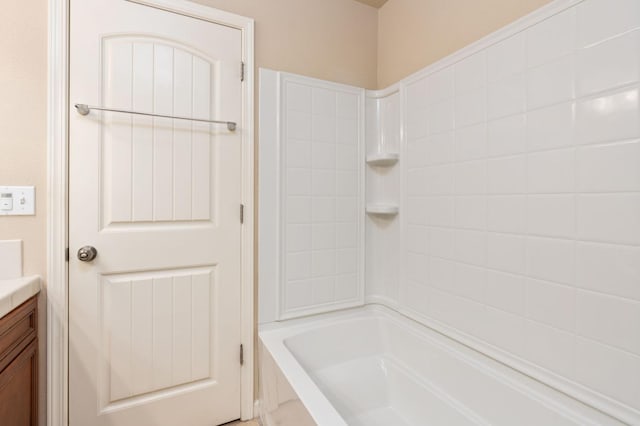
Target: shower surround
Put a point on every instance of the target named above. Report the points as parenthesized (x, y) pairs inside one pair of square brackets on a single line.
[(502, 200)]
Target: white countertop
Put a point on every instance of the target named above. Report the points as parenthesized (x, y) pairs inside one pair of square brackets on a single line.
[(14, 292)]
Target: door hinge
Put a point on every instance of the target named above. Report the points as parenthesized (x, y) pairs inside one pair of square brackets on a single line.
[(241, 354), (241, 71), (241, 213), (66, 254)]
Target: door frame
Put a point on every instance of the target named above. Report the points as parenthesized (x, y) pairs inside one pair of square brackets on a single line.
[(58, 196)]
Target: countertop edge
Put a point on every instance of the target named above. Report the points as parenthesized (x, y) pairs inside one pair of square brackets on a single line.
[(15, 292)]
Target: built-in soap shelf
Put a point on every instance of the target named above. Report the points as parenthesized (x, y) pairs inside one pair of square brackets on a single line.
[(385, 159), (386, 209), (382, 158)]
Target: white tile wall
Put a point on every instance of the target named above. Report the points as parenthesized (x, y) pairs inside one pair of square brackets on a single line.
[(321, 194), (523, 196), (552, 38), (612, 116), (551, 83), (506, 136), (506, 58), (520, 206), (506, 252)]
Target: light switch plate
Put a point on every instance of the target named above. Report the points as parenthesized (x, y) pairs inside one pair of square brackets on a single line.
[(17, 200)]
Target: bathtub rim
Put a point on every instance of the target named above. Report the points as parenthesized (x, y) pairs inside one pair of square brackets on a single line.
[(589, 397), (274, 335)]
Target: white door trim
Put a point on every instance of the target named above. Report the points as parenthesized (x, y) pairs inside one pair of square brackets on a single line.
[(57, 199)]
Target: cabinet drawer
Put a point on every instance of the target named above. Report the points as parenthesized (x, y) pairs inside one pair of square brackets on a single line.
[(17, 330), (19, 389)]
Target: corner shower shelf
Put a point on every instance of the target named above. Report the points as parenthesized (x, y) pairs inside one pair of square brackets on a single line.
[(382, 209), (383, 159)]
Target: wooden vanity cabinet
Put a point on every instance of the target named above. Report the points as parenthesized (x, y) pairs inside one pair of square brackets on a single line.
[(19, 366)]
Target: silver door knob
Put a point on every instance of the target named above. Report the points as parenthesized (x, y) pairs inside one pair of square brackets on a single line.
[(87, 253)]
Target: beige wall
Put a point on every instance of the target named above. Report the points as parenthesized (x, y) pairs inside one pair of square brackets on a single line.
[(415, 33), (328, 39), (23, 83), (23, 149)]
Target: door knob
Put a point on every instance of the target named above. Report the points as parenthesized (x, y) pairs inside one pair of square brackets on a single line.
[(87, 253)]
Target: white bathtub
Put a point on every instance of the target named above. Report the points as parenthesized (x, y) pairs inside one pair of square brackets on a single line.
[(371, 366)]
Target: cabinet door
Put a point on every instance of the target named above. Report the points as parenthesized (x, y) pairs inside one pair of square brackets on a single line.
[(18, 389)]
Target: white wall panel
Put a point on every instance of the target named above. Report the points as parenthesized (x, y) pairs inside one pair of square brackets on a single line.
[(312, 149), (519, 198), (521, 210)]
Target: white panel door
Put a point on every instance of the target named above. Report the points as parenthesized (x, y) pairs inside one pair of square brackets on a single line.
[(155, 318)]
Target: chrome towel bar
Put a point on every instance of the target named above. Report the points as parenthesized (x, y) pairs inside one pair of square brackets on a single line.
[(84, 109)]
